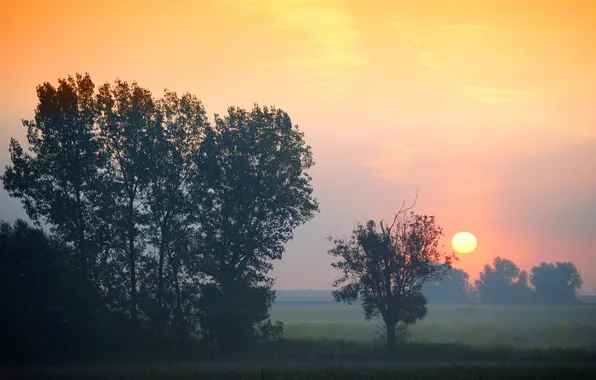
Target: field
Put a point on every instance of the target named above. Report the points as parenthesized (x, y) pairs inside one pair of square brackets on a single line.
[(483, 326), (331, 341)]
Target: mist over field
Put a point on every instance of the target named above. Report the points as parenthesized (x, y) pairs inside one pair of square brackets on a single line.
[(312, 315)]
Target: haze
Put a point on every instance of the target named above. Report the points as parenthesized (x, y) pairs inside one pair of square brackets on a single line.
[(487, 107)]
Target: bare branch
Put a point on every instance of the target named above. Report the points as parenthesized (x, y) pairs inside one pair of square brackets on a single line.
[(403, 210)]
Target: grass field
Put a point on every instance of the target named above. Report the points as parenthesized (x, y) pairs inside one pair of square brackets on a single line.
[(520, 327), (331, 341)]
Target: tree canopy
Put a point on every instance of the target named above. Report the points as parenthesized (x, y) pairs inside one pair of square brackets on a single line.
[(454, 287), (503, 283), (557, 283)]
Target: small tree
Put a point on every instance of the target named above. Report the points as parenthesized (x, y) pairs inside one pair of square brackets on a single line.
[(386, 267)]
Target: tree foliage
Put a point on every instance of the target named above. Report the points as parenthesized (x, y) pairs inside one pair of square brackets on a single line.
[(557, 283), (385, 268), (454, 287), (504, 283), (57, 179), (254, 190)]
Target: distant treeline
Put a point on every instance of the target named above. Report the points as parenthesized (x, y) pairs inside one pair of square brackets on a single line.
[(501, 283)]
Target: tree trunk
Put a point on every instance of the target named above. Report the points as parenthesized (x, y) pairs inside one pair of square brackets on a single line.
[(160, 279), (391, 337), (178, 307), (133, 269), (133, 286), (81, 235)]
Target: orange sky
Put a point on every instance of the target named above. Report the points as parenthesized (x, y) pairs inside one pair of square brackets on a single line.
[(488, 106)]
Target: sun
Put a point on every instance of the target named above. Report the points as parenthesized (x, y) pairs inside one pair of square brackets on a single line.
[(464, 242)]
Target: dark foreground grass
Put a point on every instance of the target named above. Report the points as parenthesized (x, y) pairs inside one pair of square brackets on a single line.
[(296, 370), (325, 351), (333, 360)]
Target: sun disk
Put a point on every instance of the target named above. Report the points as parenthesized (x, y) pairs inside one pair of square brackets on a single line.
[(464, 242)]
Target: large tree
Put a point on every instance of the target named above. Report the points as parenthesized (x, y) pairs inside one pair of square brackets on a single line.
[(557, 283), (252, 189), (385, 268)]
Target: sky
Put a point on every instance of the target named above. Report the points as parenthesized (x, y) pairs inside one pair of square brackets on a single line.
[(487, 107)]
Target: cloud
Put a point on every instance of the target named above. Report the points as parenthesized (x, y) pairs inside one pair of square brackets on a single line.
[(436, 48), (425, 38), (473, 189), (432, 59), (407, 32), (591, 135), (418, 35), (393, 162), (445, 28), (329, 59), (491, 94)]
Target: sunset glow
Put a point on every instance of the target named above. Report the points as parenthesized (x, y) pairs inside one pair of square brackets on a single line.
[(488, 108)]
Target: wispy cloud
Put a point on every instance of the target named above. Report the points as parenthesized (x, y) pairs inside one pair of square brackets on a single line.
[(392, 163), (473, 189), (328, 61), (445, 28), (424, 38), (590, 135), (432, 59), (418, 35), (491, 94), (407, 32)]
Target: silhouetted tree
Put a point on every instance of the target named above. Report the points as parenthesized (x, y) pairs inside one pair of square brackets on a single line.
[(557, 283), (128, 114), (170, 149), (58, 180), (386, 268), (503, 283), (454, 287), (253, 190)]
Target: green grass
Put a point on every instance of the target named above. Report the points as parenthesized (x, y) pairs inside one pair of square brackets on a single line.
[(482, 326)]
